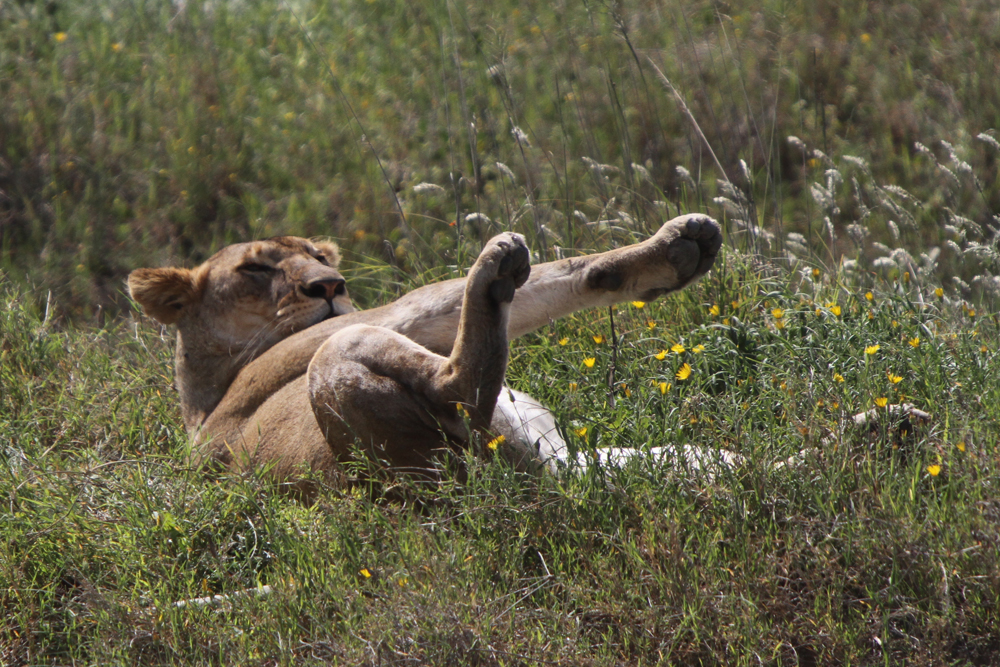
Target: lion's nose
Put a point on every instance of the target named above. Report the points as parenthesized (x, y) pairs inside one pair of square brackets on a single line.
[(324, 288)]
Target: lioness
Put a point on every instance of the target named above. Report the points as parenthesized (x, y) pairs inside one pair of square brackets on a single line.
[(276, 368)]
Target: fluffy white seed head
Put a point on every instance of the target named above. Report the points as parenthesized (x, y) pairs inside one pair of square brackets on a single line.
[(685, 176), (893, 231), (985, 138), (642, 172), (428, 189), (796, 143), (505, 170), (477, 218)]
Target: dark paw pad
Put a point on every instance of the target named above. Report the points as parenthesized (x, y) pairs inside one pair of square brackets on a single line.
[(516, 264)]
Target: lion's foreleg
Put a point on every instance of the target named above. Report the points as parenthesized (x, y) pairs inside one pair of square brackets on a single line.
[(478, 359), (373, 385)]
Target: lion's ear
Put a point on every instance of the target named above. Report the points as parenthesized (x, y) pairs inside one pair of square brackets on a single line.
[(330, 251), (163, 293)]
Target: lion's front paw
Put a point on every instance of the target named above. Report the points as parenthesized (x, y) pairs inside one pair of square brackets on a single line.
[(503, 265)]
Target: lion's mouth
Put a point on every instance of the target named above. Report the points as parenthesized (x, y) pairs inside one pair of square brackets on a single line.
[(330, 315), (331, 311)]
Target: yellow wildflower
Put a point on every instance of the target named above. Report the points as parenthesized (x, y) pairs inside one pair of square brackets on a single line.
[(726, 321), (869, 296), (865, 38), (664, 387), (685, 372), (934, 470), (581, 432), (984, 349), (496, 442), (60, 37), (871, 349), (661, 355), (961, 446), (837, 377), (882, 401), (714, 310), (972, 312), (563, 341), (835, 310), (639, 304), (735, 305), (895, 379), (815, 273), (116, 47), (939, 292), (778, 313), (779, 324), (698, 349), (598, 339), (589, 362), (651, 324), (365, 573), (677, 348)]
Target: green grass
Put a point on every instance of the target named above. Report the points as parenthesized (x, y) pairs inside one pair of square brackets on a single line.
[(132, 135), (104, 527)]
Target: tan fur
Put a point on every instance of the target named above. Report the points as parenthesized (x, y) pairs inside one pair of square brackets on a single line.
[(272, 372)]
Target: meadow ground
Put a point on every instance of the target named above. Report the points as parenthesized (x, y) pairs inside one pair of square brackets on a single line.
[(854, 167)]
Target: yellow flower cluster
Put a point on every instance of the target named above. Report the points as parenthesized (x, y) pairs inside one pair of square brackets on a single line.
[(496, 442)]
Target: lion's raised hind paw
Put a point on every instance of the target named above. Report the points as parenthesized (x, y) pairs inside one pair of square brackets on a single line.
[(693, 242)]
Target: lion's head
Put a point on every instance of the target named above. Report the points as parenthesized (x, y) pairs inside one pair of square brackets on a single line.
[(243, 300)]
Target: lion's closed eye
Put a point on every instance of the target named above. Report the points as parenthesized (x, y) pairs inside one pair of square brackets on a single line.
[(254, 267)]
